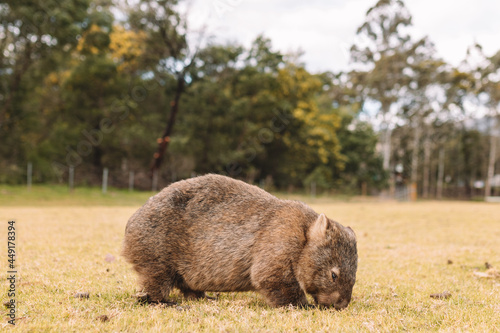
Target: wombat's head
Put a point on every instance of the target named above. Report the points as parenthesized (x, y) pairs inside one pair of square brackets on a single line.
[(328, 264)]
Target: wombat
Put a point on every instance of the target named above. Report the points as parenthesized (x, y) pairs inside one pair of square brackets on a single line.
[(215, 233)]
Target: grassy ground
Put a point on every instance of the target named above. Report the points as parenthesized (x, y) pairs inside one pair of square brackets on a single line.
[(406, 253)]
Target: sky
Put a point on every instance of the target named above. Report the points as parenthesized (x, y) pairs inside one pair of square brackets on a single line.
[(324, 30)]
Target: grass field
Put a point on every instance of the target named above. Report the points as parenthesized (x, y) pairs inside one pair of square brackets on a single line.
[(406, 253)]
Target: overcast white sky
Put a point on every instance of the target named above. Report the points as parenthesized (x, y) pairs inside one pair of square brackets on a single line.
[(325, 29)]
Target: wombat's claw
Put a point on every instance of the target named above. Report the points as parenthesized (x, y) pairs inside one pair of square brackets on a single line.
[(145, 298), (211, 298), (168, 303), (163, 304)]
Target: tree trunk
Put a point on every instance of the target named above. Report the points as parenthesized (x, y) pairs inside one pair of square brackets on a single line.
[(440, 178), (386, 138), (414, 155), (386, 151), (364, 188), (491, 165), (165, 138), (427, 159), (494, 128), (386, 148)]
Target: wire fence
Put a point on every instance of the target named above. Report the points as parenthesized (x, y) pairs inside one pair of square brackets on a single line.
[(402, 190)]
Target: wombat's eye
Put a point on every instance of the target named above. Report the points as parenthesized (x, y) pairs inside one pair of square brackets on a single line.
[(334, 276)]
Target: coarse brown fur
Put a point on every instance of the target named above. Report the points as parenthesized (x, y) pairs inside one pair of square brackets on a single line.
[(214, 233)]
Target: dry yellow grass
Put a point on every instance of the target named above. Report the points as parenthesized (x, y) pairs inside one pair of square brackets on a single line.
[(403, 258)]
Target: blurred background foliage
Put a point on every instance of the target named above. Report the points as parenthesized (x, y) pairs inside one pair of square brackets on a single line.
[(93, 84)]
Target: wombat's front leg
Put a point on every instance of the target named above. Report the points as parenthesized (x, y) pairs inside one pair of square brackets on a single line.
[(157, 287), (278, 286), (272, 272), (283, 296)]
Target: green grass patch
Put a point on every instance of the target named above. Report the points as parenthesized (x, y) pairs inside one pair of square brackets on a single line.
[(59, 195)]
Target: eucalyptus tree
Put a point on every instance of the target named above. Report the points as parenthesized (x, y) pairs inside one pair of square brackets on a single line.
[(464, 106), (482, 107), (424, 106), (383, 46), (489, 88)]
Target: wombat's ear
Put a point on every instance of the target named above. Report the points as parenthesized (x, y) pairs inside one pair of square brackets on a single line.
[(318, 229)]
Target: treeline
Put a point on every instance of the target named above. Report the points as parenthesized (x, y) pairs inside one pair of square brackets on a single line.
[(438, 124), (88, 85), (84, 89)]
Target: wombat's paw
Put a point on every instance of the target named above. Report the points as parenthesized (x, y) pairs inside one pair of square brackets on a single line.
[(193, 295), (145, 298), (168, 303)]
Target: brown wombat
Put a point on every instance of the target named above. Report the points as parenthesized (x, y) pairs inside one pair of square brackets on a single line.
[(214, 233)]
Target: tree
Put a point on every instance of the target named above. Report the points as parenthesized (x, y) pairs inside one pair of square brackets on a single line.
[(489, 90), (423, 105), (483, 94), (458, 84), (34, 37), (215, 121), (363, 166), (167, 55), (385, 50), (314, 150), (251, 114)]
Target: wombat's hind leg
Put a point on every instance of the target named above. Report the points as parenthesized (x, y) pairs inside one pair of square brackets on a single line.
[(194, 295), (189, 293)]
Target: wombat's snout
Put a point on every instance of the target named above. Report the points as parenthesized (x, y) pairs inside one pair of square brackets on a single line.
[(334, 299), (342, 303)]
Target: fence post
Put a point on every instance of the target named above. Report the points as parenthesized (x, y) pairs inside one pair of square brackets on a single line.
[(131, 181), (413, 191), (105, 180), (30, 175), (71, 178)]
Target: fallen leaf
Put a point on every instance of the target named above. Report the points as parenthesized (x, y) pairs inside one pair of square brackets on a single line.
[(82, 295), (102, 318), (489, 274), (443, 295), (109, 258)]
